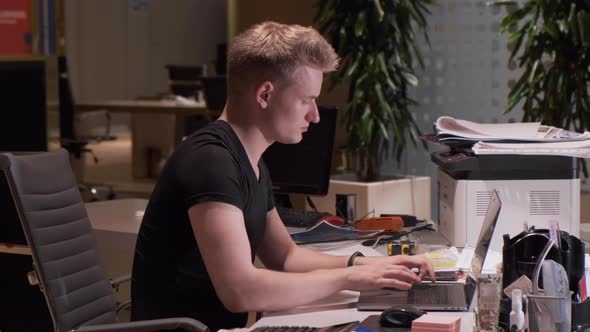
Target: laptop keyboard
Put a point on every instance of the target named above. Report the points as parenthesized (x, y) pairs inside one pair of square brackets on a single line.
[(430, 295), (284, 329)]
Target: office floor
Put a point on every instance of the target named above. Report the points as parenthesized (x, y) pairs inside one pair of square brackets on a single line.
[(114, 160), (114, 166)]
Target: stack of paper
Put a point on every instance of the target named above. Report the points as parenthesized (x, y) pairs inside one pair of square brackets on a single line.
[(448, 129), (579, 149), (326, 232), (432, 323), (528, 138)]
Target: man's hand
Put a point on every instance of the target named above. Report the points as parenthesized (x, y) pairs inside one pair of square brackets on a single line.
[(377, 276), (392, 271), (420, 262)]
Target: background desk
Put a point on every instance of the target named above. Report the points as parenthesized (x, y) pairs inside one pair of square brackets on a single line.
[(116, 224), (156, 126)]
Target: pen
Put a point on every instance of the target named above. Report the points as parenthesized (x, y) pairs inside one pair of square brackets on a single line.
[(554, 232)]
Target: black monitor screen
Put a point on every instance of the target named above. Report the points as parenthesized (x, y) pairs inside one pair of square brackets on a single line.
[(304, 168), (22, 91)]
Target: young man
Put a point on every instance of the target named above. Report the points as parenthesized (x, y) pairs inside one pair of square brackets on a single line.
[(212, 210)]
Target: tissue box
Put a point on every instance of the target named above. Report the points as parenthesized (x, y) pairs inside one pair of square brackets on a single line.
[(436, 323)]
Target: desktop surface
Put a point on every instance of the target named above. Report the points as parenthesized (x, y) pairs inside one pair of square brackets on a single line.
[(342, 306), (329, 315)]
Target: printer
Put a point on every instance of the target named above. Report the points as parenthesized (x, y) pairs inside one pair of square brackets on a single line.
[(534, 190)]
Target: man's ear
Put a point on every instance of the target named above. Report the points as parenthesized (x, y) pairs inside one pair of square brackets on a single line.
[(264, 93)]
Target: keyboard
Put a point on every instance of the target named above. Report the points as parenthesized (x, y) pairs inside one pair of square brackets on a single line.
[(284, 329), (299, 218), (344, 327)]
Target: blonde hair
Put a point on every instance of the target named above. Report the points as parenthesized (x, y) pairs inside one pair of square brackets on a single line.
[(272, 51)]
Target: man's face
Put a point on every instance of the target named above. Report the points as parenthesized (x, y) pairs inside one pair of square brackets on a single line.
[(293, 105)]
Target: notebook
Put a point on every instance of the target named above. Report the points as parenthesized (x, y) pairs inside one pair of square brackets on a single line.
[(440, 296)]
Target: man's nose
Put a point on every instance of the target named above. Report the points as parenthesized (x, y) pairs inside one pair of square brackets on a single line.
[(313, 115)]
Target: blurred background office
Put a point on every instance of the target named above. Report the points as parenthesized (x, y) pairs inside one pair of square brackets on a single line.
[(88, 74), (119, 49)]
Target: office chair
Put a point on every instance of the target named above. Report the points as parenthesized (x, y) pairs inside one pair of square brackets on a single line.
[(77, 127), (72, 138), (66, 261)]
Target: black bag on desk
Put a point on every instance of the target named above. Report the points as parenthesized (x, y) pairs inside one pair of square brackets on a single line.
[(520, 255)]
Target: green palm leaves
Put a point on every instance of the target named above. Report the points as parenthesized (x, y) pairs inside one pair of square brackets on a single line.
[(377, 42), (549, 40)]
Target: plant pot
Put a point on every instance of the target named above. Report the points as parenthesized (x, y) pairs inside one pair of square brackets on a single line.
[(366, 164)]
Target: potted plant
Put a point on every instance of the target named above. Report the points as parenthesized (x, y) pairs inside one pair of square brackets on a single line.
[(377, 42), (550, 41)]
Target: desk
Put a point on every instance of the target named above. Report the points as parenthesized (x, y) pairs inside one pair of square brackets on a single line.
[(156, 126), (338, 309), (341, 307), (144, 106), (117, 223)]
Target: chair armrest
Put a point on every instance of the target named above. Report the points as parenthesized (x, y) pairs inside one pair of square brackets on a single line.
[(187, 324), (123, 306), (116, 282)]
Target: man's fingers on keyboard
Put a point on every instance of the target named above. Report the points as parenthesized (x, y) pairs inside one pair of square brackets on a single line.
[(394, 283), (403, 274)]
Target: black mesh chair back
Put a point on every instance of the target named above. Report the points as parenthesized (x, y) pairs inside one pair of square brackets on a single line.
[(77, 290)]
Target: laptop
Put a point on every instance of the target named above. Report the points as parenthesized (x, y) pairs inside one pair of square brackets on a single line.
[(440, 296)]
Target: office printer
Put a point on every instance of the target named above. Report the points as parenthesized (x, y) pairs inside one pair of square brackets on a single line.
[(533, 189)]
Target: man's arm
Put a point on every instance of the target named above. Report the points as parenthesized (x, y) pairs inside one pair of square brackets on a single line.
[(279, 252), (223, 242)]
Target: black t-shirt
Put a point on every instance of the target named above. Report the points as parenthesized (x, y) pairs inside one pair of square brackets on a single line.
[(169, 277)]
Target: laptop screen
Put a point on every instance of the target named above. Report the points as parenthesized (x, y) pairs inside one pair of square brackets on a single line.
[(485, 235)]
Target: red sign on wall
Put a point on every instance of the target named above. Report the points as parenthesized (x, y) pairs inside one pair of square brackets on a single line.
[(15, 27)]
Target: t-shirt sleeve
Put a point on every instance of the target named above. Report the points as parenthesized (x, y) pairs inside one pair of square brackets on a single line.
[(209, 174)]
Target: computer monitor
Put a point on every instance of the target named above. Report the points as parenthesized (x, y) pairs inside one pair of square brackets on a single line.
[(304, 168), (23, 124)]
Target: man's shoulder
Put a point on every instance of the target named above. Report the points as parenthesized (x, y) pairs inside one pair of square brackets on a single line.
[(205, 149), (216, 136), (218, 129)]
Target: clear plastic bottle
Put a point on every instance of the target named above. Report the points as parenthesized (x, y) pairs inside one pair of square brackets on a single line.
[(516, 315)]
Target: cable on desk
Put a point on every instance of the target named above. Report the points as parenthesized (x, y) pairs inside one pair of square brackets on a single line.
[(383, 237)]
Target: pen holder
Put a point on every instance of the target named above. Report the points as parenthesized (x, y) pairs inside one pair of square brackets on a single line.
[(549, 313), (520, 254)]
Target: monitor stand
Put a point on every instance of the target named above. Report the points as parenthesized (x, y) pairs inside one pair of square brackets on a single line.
[(295, 216), (283, 200)]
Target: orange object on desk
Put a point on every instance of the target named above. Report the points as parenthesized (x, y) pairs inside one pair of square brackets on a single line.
[(436, 323), (393, 224)]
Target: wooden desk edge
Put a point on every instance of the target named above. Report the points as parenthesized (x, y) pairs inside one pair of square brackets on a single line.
[(15, 249), (145, 107)]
